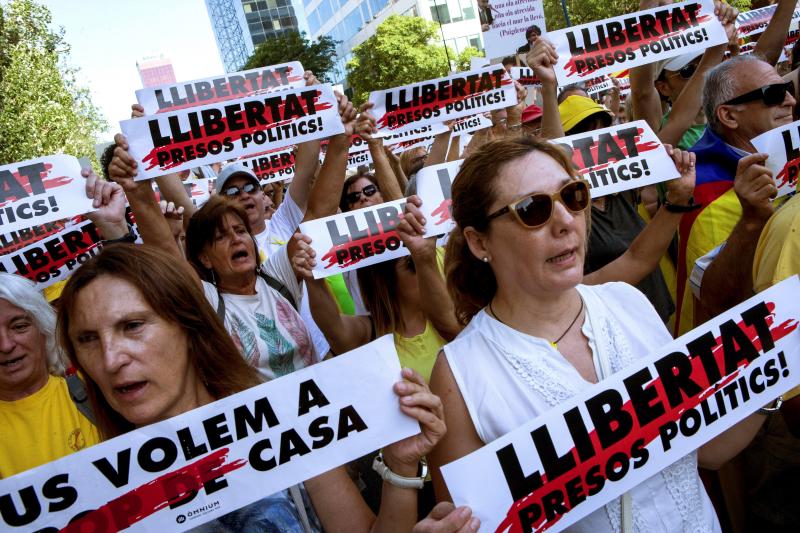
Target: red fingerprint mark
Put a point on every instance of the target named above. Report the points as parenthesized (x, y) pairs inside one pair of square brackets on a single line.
[(138, 504), (443, 212), (646, 433), (788, 175), (342, 255), (606, 48), (48, 182)]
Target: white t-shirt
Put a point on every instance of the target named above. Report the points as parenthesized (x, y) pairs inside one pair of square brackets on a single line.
[(508, 378), (280, 227), (264, 326)]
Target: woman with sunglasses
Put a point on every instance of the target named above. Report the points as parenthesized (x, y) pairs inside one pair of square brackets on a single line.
[(134, 323), (535, 335)]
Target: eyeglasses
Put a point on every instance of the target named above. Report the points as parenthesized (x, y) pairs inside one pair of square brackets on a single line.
[(771, 95), (536, 209), (249, 188), (353, 197)]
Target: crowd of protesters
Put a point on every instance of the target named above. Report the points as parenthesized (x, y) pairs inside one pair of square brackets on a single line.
[(540, 292)]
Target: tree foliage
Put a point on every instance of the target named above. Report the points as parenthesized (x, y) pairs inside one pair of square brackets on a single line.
[(403, 50), (583, 11), (42, 109), (318, 57), (463, 62)]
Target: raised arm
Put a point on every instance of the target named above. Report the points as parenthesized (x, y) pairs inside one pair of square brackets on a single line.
[(327, 189), (438, 152), (687, 105), (151, 223), (728, 280), (770, 43), (642, 257), (436, 303), (306, 162), (645, 100), (343, 332), (542, 58), (389, 182)]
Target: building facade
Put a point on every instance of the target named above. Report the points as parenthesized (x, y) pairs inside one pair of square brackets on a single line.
[(353, 21), (241, 25), (155, 71)]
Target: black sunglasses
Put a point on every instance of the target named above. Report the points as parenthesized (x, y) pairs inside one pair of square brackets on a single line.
[(687, 71), (249, 188), (536, 209), (369, 190), (771, 95)]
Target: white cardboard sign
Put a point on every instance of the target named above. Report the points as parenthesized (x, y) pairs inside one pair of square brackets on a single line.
[(558, 468), (783, 146), (510, 21), (203, 464)]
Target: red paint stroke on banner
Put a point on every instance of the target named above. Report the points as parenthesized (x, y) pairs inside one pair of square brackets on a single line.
[(788, 175), (641, 147), (140, 503), (216, 99), (16, 240), (648, 433), (572, 68), (443, 212), (330, 256), (90, 239), (48, 182), (152, 157), (383, 121)]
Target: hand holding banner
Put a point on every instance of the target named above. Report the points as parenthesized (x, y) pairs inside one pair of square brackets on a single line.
[(609, 438), (175, 96), (606, 46), (184, 139), (203, 464), (783, 146), (41, 190), (434, 101)]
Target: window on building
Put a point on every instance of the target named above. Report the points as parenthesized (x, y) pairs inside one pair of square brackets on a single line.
[(439, 11)]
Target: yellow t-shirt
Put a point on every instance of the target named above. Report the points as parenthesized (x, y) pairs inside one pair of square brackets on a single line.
[(42, 427), (778, 253), (419, 352)]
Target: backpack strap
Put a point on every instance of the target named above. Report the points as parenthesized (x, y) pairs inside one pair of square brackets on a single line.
[(77, 392), (279, 287), (273, 283)]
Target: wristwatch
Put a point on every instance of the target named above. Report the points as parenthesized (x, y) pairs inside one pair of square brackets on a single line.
[(677, 208), (129, 238), (396, 479)]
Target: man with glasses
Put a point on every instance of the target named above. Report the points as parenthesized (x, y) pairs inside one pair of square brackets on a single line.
[(742, 98)]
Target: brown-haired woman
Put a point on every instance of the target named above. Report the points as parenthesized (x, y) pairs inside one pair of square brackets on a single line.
[(135, 324), (536, 336)]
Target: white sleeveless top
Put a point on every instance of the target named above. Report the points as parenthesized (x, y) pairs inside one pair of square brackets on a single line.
[(508, 378)]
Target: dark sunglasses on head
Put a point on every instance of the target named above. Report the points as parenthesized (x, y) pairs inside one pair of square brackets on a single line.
[(535, 210), (353, 197), (249, 188), (771, 95), (687, 71)]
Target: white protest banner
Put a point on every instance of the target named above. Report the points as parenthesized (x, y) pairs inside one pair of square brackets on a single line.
[(198, 191), (274, 165), (525, 76), (755, 21), (619, 158), (263, 80), (434, 101), (15, 240), (358, 144), (356, 239), (465, 125), (56, 256), (605, 46), (598, 84), (511, 20), (783, 146), (206, 463), (184, 139), (359, 158), (433, 187), (41, 190), (607, 439), (404, 146)]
